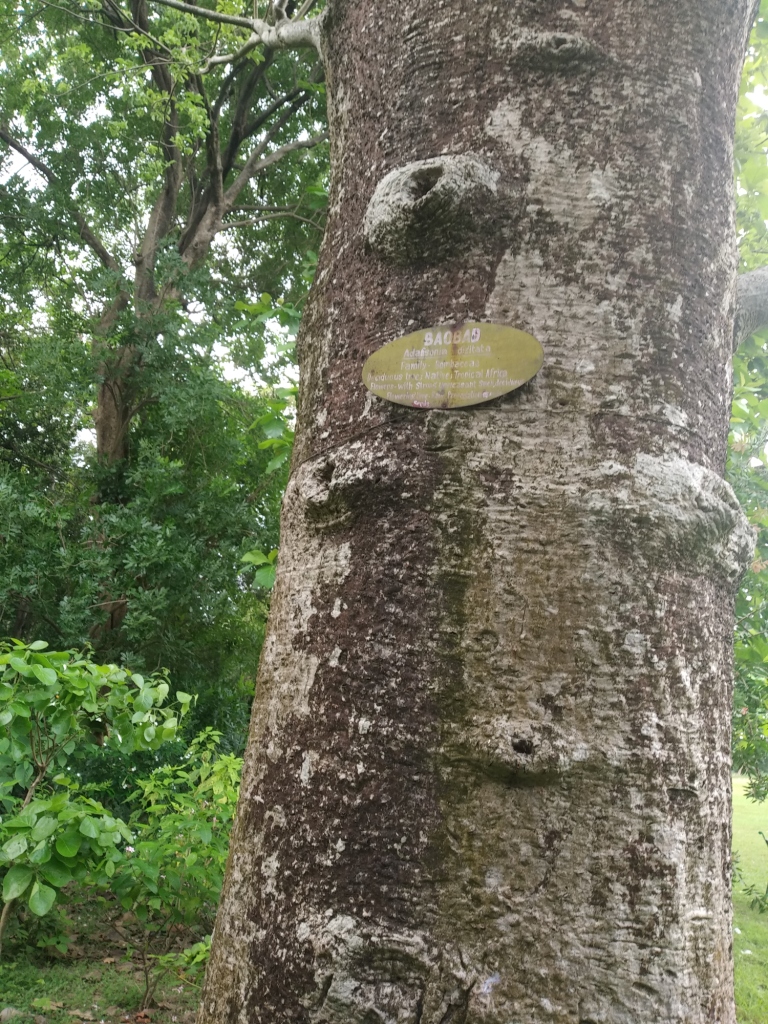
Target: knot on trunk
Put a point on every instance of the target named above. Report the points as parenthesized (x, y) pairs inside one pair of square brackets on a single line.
[(422, 211), (551, 52), (680, 514)]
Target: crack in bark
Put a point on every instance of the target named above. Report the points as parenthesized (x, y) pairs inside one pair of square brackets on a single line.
[(457, 1012)]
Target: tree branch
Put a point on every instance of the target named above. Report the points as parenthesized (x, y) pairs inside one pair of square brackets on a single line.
[(287, 214), (87, 234), (751, 304), (254, 164), (283, 35)]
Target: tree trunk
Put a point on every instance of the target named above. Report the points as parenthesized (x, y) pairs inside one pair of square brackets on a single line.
[(488, 771)]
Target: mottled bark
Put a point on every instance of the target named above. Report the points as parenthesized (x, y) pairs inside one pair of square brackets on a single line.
[(488, 772)]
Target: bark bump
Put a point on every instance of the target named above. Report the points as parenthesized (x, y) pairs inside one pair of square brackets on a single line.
[(677, 512), (554, 51), (421, 211)]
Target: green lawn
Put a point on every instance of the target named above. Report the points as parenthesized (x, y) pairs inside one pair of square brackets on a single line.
[(750, 939)]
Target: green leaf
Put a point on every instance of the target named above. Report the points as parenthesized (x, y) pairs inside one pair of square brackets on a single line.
[(23, 774), (41, 853), (254, 558), (265, 577), (38, 645), (16, 882), (183, 698), (45, 675), (124, 831), (109, 867), (62, 722), (56, 873), (15, 847), (89, 828), (45, 827), (56, 803), (144, 700), (41, 899), (68, 844), (21, 666), (276, 462)]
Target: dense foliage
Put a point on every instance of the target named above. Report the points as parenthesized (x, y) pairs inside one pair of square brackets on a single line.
[(157, 219), (52, 705), (748, 454)]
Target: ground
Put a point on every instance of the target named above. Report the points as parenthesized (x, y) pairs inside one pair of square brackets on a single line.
[(750, 939), (100, 977)]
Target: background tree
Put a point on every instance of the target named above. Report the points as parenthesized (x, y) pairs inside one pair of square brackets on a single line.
[(488, 775), (129, 158)]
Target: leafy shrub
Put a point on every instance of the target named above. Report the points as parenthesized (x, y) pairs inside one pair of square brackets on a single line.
[(51, 704), (170, 877)]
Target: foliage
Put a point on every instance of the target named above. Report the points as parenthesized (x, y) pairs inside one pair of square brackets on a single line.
[(189, 965), (171, 875), (125, 285), (51, 703), (748, 460), (153, 576)]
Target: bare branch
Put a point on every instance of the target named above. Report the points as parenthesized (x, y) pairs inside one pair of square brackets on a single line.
[(203, 12), (29, 157), (280, 101), (87, 234), (196, 243), (305, 8), (256, 162), (751, 304), (285, 215), (284, 35)]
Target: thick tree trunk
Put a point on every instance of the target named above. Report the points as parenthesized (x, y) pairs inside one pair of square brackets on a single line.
[(488, 773)]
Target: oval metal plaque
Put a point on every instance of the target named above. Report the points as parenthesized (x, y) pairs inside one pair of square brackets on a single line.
[(453, 366)]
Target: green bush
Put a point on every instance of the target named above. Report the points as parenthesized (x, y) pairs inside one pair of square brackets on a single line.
[(170, 876), (52, 705)]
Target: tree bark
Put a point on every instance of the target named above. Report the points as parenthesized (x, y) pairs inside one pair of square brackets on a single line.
[(488, 771)]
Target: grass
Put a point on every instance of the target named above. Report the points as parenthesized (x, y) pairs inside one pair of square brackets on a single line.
[(79, 990), (99, 978), (750, 939), (83, 991)]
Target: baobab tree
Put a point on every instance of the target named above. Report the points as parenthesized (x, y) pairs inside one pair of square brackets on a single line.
[(488, 771)]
